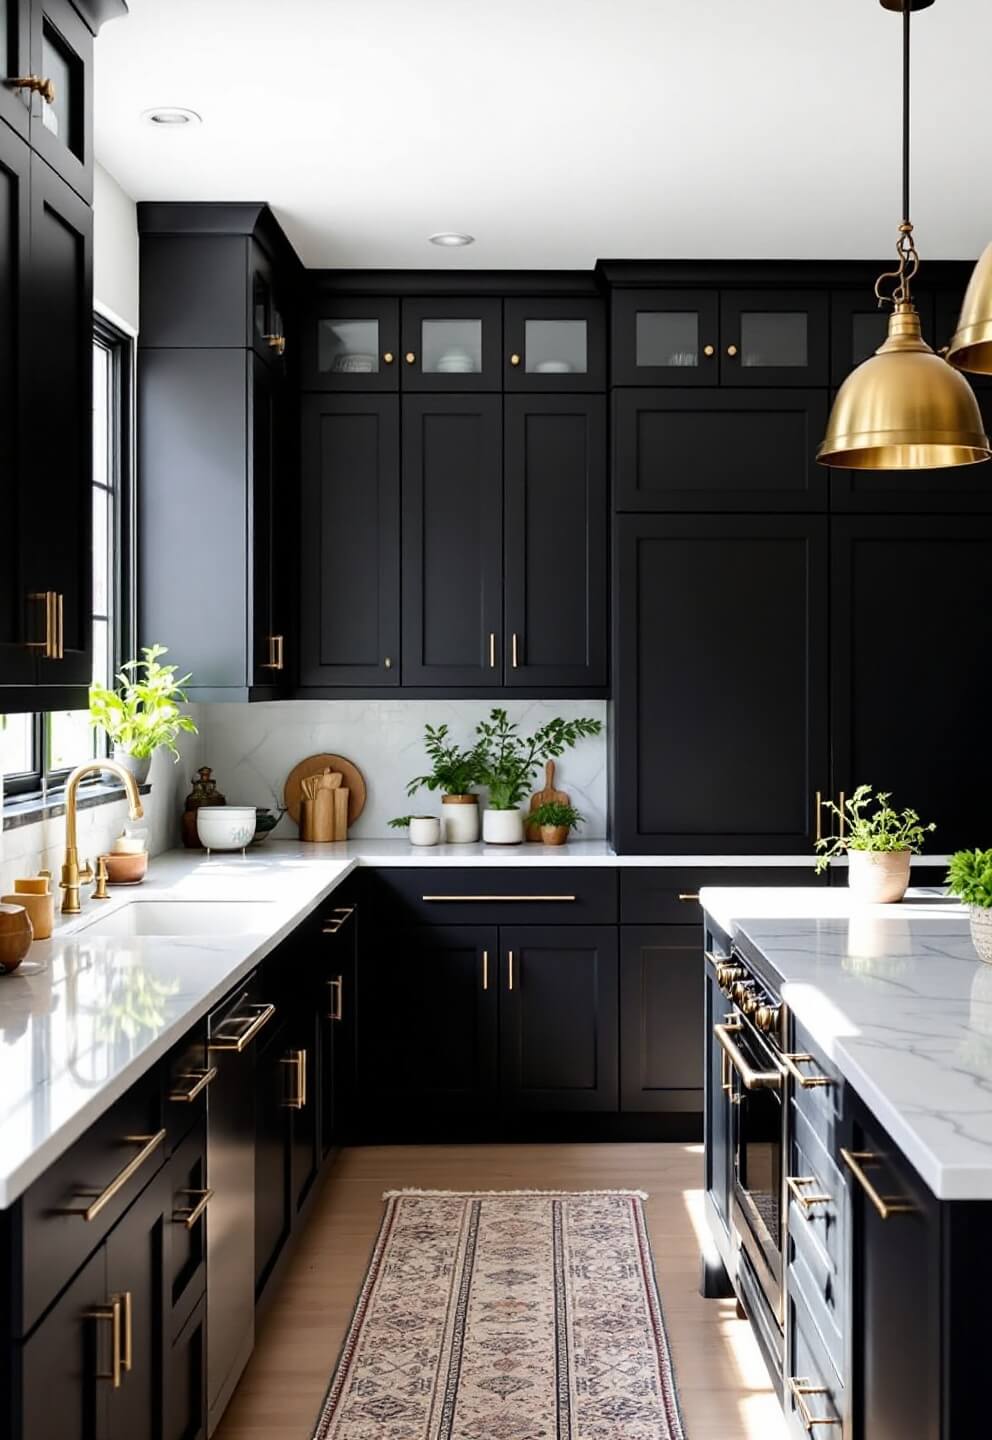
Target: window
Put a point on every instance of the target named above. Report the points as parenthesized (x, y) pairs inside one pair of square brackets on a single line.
[(38, 751)]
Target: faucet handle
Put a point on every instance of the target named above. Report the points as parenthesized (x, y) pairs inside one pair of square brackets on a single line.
[(100, 892), (86, 876)]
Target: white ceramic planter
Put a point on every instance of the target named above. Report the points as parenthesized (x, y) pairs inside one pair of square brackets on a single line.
[(138, 768), (503, 827), (425, 830), (981, 931), (878, 877), (460, 819)]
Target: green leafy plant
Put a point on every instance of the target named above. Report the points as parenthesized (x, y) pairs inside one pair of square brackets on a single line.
[(969, 876), (882, 830), (143, 715), (400, 822), (560, 816), (508, 761), (454, 770)]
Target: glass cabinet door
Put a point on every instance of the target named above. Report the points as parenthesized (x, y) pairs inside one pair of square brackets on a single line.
[(268, 326), (778, 337), (858, 326), (15, 104), (451, 344), (62, 113), (554, 345), (663, 337), (352, 344)]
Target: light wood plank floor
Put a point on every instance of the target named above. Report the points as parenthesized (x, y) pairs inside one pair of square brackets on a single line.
[(723, 1383)]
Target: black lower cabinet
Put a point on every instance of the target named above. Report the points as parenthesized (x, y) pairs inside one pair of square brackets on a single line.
[(718, 1153), (61, 1388), (185, 1413), (661, 1016), (273, 1200), (336, 1013), (136, 1250), (303, 1101), (558, 1018), (427, 1042)]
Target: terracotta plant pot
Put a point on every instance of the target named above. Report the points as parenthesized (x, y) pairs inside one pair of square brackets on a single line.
[(503, 827), (878, 877), (460, 819), (16, 934), (554, 834), (981, 931)]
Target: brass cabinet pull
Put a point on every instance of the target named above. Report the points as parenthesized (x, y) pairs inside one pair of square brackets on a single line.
[(38, 86), (688, 896), (842, 818), (277, 653), (60, 625), (509, 961), (111, 1312), (513, 650), (276, 343), (336, 987), (800, 1389), (388, 662), (127, 1359), (340, 916), (886, 1206), (149, 1144), (818, 816), (191, 1216), (731, 350), (388, 358), (485, 969), (504, 899), (254, 1024), (804, 1197), (201, 1079), (50, 645), (411, 358), (514, 359), (492, 650), (299, 1059), (792, 1062), (751, 1079), (709, 351)]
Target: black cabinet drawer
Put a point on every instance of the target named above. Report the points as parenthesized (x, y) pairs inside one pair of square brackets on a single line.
[(186, 1252), (68, 1211), (186, 1076), (814, 1396), (819, 1103), (531, 895), (669, 895)]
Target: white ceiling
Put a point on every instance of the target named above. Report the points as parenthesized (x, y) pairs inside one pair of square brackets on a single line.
[(558, 131)]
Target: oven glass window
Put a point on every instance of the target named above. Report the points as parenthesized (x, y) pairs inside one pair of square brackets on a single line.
[(759, 1163)]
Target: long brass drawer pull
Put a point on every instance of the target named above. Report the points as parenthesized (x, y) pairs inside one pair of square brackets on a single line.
[(854, 1160), (201, 1079), (298, 1058), (111, 1312), (339, 917), (751, 1079), (336, 987), (509, 962), (127, 1359), (792, 1063), (191, 1216), (800, 1389), (240, 1042), (804, 1197), (498, 899), (149, 1144), (485, 969), (689, 896)]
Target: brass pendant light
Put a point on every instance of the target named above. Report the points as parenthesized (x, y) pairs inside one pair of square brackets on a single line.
[(971, 343), (904, 408)]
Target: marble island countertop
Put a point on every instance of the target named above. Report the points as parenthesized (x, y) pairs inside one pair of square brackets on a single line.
[(896, 998)]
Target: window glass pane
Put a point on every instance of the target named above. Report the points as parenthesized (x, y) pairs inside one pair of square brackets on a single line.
[(667, 337), (103, 660), (555, 347), (59, 66), (451, 347), (770, 338), (101, 416), (101, 551), (15, 744), (70, 739), (348, 347)]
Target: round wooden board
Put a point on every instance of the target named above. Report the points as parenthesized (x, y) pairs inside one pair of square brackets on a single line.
[(314, 765)]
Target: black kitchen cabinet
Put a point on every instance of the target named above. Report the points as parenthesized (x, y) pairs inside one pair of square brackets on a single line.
[(63, 1374), (451, 343), (555, 596), (303, 1098), (336, 998), (15, 60), (452, 540), (943, 564), (665, 337), (350, 541), (185, 1414), (717, 1123), (661, 1017), (720, 680), (558, 1018), (554, 344), (61, 120), (271, 482), (135, 1251), (722, 450), (269, 318), (427, 1043), (774, 337), (351, 344), (273, 1175), (17, 661)]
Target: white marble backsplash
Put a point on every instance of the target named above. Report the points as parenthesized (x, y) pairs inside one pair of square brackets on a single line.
[(252, 748)]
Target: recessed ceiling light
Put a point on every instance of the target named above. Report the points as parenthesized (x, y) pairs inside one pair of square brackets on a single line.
[(171, 115), (452, 238)]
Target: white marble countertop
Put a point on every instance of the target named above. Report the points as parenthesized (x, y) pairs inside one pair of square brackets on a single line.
[(896, 998)]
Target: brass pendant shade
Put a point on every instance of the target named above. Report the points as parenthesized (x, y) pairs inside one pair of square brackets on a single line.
[(904, 409), (971, 344)]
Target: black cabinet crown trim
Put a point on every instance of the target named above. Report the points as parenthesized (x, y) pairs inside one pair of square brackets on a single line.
[(743, 274), (580, 283)]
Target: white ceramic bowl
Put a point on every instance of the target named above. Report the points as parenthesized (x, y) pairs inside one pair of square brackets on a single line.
[(225, 827)]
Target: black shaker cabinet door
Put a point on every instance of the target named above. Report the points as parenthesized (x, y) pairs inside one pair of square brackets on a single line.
[(666, 337), (774, 337), (721, 683), (661, 1017), (920, 646), (350, 581), (555, 596), (351, 344), (135, 1274), (61, 126), (15, 60), (723, 450), (17, 660), (67, 1363), (558, 1017), (452, 540), (554, 345), (451, 343)]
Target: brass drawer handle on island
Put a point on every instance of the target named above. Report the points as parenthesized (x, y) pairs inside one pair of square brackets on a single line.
[(751, 1079), (885, 1205), (191, 1216), (800, 1389), (808, 1200), (298, 1059), (499, 899), (200, 1078), (238, 1043), (149, 1144), (792, 1062)]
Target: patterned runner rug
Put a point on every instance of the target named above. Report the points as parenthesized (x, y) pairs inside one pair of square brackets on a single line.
[(507, 1316)]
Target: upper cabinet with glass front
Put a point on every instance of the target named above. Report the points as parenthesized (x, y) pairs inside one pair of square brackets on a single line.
[(351, 344), (15, 64), (451, 344), (59, 84), (729, 337), (554, 345)]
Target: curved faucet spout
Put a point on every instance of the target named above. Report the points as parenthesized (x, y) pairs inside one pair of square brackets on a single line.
[(72, 876)]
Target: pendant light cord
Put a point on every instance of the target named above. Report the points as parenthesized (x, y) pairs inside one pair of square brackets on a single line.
[(907, 10)]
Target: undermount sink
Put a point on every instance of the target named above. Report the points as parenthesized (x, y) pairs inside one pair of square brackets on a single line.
[(184, 917)]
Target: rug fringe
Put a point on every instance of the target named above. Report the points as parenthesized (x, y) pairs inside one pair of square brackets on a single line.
[(501, 1194)]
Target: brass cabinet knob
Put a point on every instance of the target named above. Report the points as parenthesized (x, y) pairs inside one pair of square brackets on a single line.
[(731, 350), (45, 88), (276, 343), (709, 351), (411, 358), (388, 358), (514, 359), (388, 662)]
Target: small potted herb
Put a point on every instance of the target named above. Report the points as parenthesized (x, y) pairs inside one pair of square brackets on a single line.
[(970, 878), (508, 762), (453, 771), (143, 715), (554, 821), (879, 844)]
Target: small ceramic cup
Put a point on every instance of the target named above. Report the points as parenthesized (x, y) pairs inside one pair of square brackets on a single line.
[(425, 830), (16, 934), (124, 869)]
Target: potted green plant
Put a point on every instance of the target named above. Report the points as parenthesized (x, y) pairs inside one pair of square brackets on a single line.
[(879, 843), (554, 821), (508, 761), (143, 714), (969, 876), (453, 771)]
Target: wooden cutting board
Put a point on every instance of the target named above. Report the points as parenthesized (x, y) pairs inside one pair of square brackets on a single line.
[(548, 796), (351, 780)]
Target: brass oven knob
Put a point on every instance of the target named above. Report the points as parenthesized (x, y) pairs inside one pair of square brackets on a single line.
[(740, 990), (726, 973), (766, 1018)]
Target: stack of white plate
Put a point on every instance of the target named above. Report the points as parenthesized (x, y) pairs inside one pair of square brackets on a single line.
[(553, 367), (456, 362), (354, 364)]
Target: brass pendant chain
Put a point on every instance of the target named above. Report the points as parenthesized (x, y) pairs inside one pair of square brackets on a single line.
[(909, 260)]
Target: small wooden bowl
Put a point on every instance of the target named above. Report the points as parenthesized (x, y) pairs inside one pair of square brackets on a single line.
[(16, 934), (126, 869)]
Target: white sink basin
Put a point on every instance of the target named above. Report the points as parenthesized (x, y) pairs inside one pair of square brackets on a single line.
[(184, 917)]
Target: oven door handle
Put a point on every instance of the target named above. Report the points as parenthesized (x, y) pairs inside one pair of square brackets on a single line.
[(751, 1079)]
